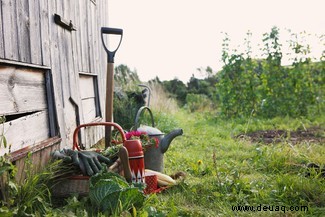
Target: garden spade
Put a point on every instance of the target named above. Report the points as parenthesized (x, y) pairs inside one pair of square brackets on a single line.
[(110, 79)]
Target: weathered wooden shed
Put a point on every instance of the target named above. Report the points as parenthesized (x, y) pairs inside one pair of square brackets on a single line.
[(52, 73)]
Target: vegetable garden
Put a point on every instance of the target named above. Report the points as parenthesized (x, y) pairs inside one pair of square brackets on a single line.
[(254, 135)]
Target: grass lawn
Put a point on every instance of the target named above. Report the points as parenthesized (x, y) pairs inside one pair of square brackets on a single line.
[(225, 171)]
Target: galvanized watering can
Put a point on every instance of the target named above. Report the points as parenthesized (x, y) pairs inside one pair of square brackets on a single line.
[(154, 156)]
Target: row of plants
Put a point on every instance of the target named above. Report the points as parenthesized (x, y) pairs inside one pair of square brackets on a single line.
[(267, 87), (263, 86), (245, 86)]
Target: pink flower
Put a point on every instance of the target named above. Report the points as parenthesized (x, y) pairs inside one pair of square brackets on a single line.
[(146, 141), (135, 133)]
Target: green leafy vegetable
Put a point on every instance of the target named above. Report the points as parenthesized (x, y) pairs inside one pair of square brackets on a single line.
[(111, 193)]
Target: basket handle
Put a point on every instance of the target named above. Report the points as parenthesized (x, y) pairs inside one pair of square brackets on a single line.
[(139, 113), (75, 133)]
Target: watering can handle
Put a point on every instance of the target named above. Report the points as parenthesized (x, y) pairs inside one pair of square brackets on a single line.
[(75, 133), (137, 117)]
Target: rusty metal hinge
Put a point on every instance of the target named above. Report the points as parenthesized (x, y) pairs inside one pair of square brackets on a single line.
[(63, 23)]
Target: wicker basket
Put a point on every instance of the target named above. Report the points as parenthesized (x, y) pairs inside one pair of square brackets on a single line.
[(72, 185), (79, 184)]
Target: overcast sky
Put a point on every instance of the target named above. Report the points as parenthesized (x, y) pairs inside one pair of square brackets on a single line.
[(172, 38)]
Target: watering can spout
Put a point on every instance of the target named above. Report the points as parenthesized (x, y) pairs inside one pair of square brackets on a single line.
[(165, 142)]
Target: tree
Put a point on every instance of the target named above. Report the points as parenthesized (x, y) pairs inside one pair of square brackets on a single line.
[(177, 88)]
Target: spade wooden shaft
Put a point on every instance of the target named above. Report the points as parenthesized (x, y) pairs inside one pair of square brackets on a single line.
[(109, 102)]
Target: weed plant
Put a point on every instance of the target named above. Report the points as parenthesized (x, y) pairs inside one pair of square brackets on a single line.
[(31, 197), (160, 101)]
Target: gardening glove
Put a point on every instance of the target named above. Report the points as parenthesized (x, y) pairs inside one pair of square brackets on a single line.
[(90, 161), (57, 155)]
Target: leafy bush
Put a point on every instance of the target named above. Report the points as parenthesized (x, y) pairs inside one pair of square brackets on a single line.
[(128, 97), (197, 102), (125, 109), (165, 122), (177, 88), (268, 88), (125, 78)]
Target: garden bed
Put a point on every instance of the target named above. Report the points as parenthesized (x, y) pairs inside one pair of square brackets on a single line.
[(311, 135)]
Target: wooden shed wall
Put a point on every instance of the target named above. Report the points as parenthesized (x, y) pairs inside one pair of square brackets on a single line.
[(30, 38)]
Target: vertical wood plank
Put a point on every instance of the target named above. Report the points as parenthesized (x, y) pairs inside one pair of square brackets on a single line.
[(69, 82), (76, 53), (63, 37), (45, 156), (86, 41), (71, 69), (55, 68), (84, 36), (104, 75), (97, 45), (20, 169), (91, 34), (10, 29), (101, 22), (77, 39), (55, 147), (35, 32), (62, 54), (23, 31), (36, 161), (45, 37), (81, 55), (102, 56), (93, 135), (2, 53), (81, 36)]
